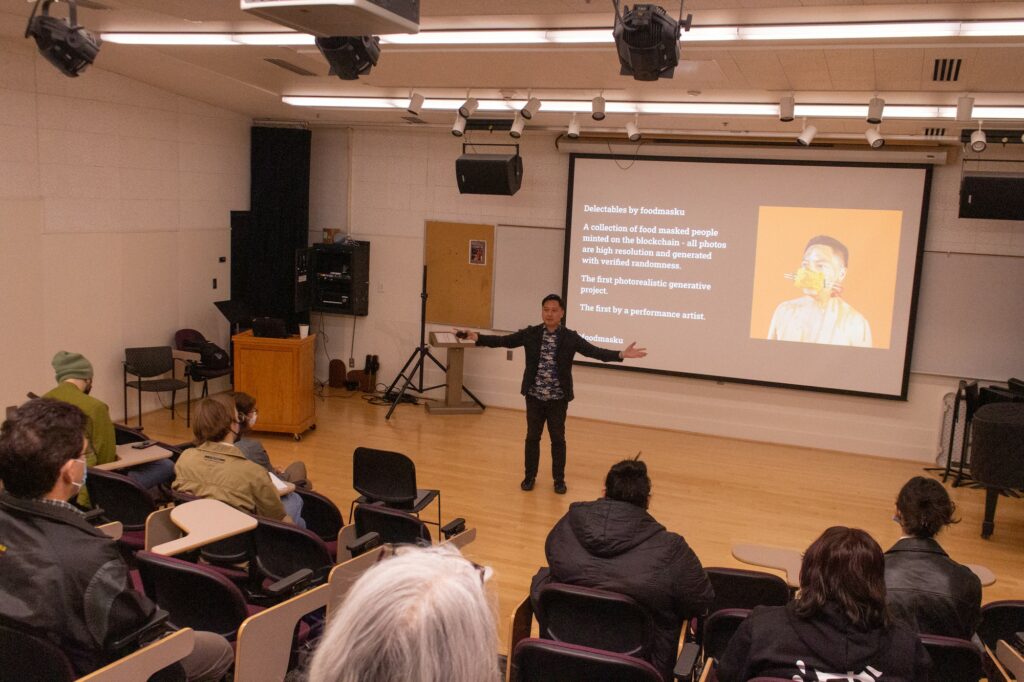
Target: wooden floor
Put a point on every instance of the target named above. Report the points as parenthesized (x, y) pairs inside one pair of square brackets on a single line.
[(714, 491)]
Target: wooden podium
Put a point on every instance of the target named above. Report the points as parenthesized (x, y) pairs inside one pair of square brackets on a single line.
[(279, 374), (453, 402)]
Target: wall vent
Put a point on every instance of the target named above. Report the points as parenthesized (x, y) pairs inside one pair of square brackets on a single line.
[(934, 132), (946, 70)]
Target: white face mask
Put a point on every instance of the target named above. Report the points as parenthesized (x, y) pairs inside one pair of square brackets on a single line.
[(85, 475), (252, 419)]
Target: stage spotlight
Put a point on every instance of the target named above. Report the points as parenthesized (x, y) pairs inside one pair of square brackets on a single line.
[(349, 56), (574, 128), (979, 141), (415, 104), (518, 124), (64, 44), (632, 131), (531, 107), (786, 106), (874, 138), (468, 107), (647, 40), (964, 108), (875, 107), (597, 108), (807, 136), (459, 127)]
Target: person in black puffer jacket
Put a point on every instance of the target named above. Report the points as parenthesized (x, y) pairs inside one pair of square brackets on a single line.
[(614, 544), (838, 628)]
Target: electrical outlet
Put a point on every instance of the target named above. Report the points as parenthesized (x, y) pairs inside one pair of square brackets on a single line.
[(214, 282), (508, 355), (351, 363)]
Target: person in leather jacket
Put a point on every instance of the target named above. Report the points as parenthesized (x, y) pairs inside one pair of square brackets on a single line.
[(925, 588)]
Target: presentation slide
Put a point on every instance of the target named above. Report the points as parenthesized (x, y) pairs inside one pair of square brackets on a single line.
[(792, 274)]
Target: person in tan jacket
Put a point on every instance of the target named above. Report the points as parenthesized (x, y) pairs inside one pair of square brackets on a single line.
[(215, 468)]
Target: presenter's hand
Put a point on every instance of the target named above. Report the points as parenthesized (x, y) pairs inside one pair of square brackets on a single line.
[(631, 351), (467, 334)]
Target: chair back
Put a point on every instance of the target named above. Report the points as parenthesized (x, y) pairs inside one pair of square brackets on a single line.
[(958, 660), (393, 526), (229, 551), (544, 660), (719, 628), (972, 398), (188, 340), (25, 656), (320, 514), (381, 475), (150, 361), (195, 596), (283, 548), (1001, 620), (594, 618), (737, 588), (121, 498)]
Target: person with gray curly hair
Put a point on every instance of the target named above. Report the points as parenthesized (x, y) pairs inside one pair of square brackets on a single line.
[(422, 615)]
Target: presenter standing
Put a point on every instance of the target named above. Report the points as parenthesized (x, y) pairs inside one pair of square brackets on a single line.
[(547, 381)]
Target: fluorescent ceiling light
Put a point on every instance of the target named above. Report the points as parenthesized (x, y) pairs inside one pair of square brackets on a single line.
[(1001, 113), (992, 28), (282, 39), (169, 38), (923, 29)]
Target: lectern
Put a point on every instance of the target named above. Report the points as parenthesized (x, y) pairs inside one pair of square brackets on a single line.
[(453, 402), (279, 374)]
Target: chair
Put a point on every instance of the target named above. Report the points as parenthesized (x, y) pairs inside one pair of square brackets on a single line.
[(719, 628), (195, 596), (146, 363), (393, 526), (389, 478), (284, 548), (958, 660), (738, 588), (544, 660), (124, 500), (192, 341), (594, 618), (1001, 620), (322, 517)]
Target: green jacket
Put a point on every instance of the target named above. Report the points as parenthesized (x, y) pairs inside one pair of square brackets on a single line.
[(99, 428), (220, 471)]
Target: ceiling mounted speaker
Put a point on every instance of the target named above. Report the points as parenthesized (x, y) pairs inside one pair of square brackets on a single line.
[(489, 173)]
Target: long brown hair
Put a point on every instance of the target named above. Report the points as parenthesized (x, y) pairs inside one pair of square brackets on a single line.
[(844, 568)]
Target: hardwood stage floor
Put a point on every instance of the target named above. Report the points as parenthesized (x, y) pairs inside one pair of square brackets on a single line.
[(714, 491)]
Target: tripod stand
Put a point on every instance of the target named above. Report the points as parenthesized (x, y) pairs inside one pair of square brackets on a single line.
[(416, 359)]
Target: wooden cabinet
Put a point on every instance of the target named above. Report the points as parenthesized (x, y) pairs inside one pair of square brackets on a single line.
[(279, 374)]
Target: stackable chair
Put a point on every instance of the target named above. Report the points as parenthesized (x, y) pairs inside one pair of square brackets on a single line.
[(124, 500), (283, 549), (544, 660), (192, 340), (392, 526), (322, 517), (955, 660), (145, 364), (389, 478)]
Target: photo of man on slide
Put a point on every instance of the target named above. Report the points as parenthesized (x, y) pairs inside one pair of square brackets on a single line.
[(820, 315)]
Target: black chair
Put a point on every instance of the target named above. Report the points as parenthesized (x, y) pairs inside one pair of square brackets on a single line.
[(954, 660), (25, 656), (967, 399), (594, 618), (146, 363), (395, 527), (124, 500), (544, 660), (719, 628), (389, 478), (322, 517), (738, 588), (1001, 620), (192, 341), (195, 596), (283, 549)]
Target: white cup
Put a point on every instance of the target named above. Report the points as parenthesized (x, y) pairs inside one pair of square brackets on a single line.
[(303, 331)]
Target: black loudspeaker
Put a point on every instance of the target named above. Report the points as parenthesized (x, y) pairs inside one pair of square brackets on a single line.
[(489, 173), (998, 197)]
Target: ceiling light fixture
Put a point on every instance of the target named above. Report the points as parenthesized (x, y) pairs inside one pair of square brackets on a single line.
[(459, 127), (647, 40), (574, 128), (597, 108), (806, 135), (469, 107), (875, 107), (874, 138), (62, 42), (516, 131), (531, 107), (964, 108), (415, 103), (633, 130), (349, 56), (979, 141), (786, 107)]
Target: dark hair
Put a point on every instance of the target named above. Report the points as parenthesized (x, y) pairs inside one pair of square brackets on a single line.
[(924, 507), (212, 420), (553, 297), (845, 569), (628, 481), (832, 243), (244, 403), (35, 442)]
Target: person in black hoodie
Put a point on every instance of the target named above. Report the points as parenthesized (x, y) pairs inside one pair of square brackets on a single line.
[(613, 544), (837, 629), (924, 587)]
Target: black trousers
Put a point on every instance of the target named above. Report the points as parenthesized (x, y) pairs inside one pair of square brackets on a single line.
[(539, 412)]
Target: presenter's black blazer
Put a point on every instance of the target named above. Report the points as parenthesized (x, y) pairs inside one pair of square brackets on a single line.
[(569, 343)]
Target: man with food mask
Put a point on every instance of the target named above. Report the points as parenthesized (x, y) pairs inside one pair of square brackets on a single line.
[(820, 315)]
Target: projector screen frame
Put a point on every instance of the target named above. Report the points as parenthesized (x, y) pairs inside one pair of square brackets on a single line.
[(918, 261)]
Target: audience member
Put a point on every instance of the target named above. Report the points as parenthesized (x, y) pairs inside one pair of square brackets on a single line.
[(422, 615), (613, 544), (925, 588), (253, 449), (74, 384), (59, 576), (216, 468), (838, 627)]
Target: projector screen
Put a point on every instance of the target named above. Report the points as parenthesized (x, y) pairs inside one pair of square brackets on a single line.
[(781, 273)]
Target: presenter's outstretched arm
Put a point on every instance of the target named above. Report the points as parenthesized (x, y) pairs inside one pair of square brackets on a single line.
[(631, 351)]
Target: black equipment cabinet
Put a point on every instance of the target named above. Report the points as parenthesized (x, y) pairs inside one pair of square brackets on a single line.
[(339, 277)]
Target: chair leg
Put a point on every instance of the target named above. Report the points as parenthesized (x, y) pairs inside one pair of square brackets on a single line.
[(206, 387), (439, 510), (173, 394), (125, 387), (140, 407)]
